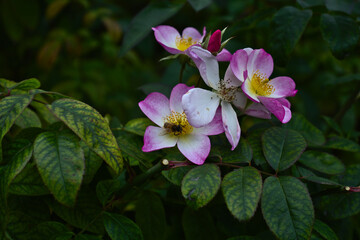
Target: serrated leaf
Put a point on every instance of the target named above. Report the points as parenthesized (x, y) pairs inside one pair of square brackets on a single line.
[(151, 16), (199, 4), (312, 177), (289, 25), (242, 190), (27, 119), (200, 185), (198, 224), (176, 175), (311, 133), (120, 227), (341, 143), (91, 127), (322, 162), (92, 163), (282, 147), (138, 126), (341, 33), (287, 208), (150, 216), (60, 161), (324, 230), (27, 84)]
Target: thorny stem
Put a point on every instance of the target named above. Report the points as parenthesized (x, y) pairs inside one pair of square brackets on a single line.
[(351, 100)]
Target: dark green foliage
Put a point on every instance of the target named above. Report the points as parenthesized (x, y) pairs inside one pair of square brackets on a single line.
[(322, 162), (121, 228)]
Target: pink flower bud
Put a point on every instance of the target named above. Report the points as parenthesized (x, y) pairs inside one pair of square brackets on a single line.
[(215, 42)]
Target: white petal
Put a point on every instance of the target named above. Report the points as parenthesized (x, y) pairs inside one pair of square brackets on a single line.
[(195, 147), (240, 100), (231, 124), (215, 127), (157, 138), (230, 79)]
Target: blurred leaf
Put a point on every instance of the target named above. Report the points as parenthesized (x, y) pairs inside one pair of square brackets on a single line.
[(19, 225), (106, 188), (176, 175), (322, 162), (310, 3), (150, 216), (92, 163), (242, 190), (91, 127), (351, 177), (345, 6), (199, 4), (334, 125), (53, 230), (151, 16), (312, 177), (254, 140), (341, 33), (12, 26), (289, 24), (27, 119), (60, 161), (287, 208), (138, 125), (55, 7), (198, 224), (282, 147), (340, 205), (311, 133), (87, 237), (120, 227), (27, 84), (341, 143), (324, 230), (200, 185)]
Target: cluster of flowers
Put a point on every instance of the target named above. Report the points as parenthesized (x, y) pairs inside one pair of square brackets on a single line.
[(192, 114)]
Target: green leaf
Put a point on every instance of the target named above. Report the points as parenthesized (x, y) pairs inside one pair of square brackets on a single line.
[(340, 205), (60, 161), (120, 227), (92, 163), (311, 133), (242, 190), (324, 230), (289, 24), (151, 16), (282, 147), (312, 177), (91, 127), (19, 225), (287, 207), (198, 224), (201, 184), (150, 216), (10, 109), (341, 143), (106, 188), (176, 175), (254, 140), (310, 3), (332, 124), (322, 162), (199, 4), (341, 33), (27, 84), (352, 176), (346, 6), (241, 154), (53, 230), (27, 119), (28, 183), (138, 126), (87, 237)]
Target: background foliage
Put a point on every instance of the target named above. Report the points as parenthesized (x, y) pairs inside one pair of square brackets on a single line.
[(54, 184)]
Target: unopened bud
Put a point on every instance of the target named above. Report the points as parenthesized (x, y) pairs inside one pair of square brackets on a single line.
[(214, 42)]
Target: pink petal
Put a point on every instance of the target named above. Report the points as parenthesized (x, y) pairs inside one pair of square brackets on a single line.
[(258, 110), (214, 42), (215, 127), (247, 89), (238, 64), (231, 124), (280, 111), (166, 36), (176, 95), (224, 56), (195, 147), (207, 65), (283, 86), (260, 61), (284, 102), (240, 100), (191, 32), (248, 50), (157, 138), (230, 79), (200, 106), (156, 107)]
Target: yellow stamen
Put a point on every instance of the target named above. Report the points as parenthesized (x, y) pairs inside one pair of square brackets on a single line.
[(177, 124), (184, 43), (259, 85)]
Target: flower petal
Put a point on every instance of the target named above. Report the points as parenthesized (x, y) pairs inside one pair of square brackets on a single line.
[(230, 80), (224, 56), (191, 32), (215, 127), (231, 124), (207, 64), (284, 102), (247, 89), (176, 95), (280, 111), (283, 86), (260, 61), (258, 110), (238, 64), (200, 106), (166, 36), (195, 147), (248, 50), (240, 100), (157, 138), (156, 107)]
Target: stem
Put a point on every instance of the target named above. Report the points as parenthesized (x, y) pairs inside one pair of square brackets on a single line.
[(228, 165), (183, 65), (351, 100)]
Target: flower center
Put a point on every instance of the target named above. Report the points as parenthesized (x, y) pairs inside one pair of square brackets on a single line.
[(177, 124), (259, 85), (227, 93), (184, 43)]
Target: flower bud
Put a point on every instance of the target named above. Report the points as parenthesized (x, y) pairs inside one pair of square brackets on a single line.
[(215, 42)]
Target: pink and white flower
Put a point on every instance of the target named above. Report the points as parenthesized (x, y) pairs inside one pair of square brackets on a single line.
[(174, 128), (201, 105), (257, 86)]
